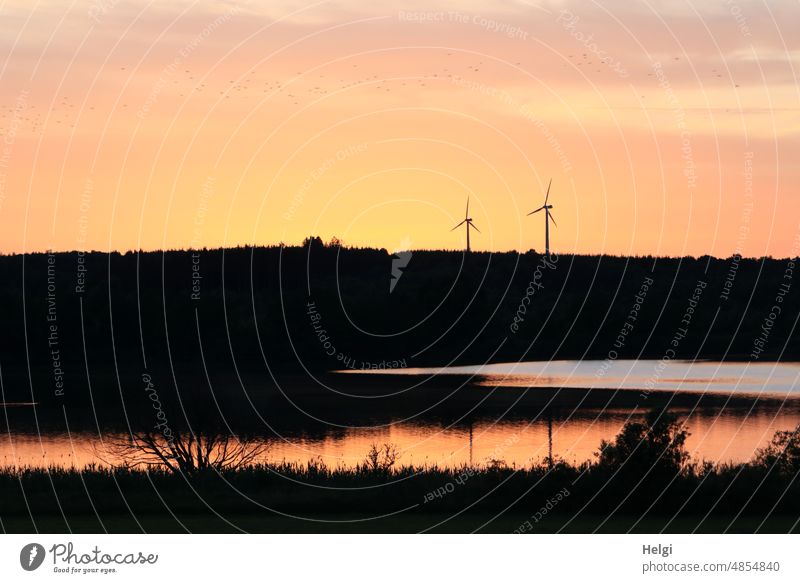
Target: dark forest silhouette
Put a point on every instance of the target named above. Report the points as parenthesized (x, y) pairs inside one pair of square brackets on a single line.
[(323, 307)]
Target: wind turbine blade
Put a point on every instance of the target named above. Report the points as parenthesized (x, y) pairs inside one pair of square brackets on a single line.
[(474, 227), (547, 196), (458, 225), (550, 215), (466, 215), (536, 211)]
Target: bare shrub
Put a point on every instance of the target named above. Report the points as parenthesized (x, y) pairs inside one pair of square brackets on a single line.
[(381, 458), (188, 452)]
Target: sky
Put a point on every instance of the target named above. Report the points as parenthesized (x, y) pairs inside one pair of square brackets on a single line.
[(667, 128)]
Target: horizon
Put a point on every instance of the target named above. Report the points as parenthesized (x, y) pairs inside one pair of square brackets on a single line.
[(665, 133), (347, 246)]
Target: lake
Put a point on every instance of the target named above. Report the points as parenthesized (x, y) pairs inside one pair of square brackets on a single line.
[(745, 378), (718, 434)]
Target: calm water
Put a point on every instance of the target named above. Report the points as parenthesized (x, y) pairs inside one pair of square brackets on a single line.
[(714, 377), (719, 435), (724, 437)]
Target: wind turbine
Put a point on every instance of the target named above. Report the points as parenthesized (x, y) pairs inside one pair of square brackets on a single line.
[(548, 216), (468, 222)]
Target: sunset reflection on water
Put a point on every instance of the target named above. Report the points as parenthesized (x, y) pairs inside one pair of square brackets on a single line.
[(733, 436)]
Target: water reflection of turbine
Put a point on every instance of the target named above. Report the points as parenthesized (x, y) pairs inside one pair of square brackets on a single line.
[(549, 439), (470, 443)]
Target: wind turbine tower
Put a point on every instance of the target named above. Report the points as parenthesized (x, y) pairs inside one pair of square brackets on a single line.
[(468, 222), (548, 216)]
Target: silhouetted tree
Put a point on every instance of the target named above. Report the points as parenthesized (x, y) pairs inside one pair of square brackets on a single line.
[(313, 243), (186, 452), (381, 458), (657, 444), (782, 455)]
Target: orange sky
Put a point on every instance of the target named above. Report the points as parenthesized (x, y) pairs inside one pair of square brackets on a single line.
[(668, 128)]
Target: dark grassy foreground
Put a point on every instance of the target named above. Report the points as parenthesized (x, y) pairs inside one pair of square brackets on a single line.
[(318, 499), (643, 481)]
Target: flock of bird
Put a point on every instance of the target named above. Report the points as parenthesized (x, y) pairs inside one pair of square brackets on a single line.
[(297, 90)]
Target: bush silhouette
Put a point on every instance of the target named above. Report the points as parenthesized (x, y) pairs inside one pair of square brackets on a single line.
[(782, 455), (655, 446)]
